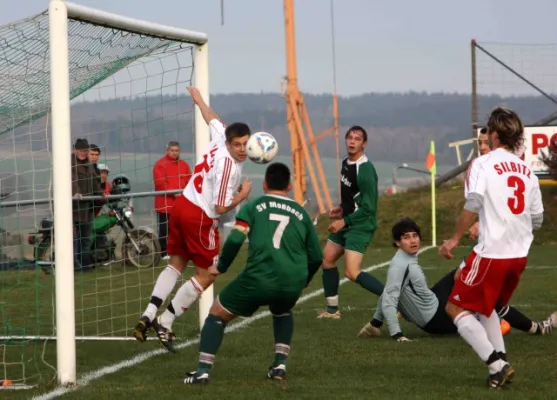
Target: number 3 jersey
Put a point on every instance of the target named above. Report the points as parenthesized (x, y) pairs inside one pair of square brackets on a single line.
[(282, 241), (216, 176), (511, 196)]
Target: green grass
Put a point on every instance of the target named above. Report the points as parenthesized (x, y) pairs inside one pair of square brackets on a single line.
[(326, 359)]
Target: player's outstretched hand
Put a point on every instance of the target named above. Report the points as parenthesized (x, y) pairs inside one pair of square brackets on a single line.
[(212, 270), (336, 226), (336, 213), (447, 248), (245, 188), (194, 93)]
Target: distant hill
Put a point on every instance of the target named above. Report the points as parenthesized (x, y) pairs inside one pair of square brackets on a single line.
[(400, 125)]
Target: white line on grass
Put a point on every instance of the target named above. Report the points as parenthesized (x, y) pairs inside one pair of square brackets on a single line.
[(88, 377)]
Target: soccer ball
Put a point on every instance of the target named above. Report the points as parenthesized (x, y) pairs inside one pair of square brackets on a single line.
[(262, 147)]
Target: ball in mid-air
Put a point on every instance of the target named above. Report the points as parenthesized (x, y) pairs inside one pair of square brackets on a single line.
[(262, 147)]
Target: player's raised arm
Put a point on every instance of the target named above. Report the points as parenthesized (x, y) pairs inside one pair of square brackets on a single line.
[(235, 239), (208, 113), (367, 182)]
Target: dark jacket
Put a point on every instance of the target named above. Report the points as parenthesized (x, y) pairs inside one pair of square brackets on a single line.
[(86, 183)]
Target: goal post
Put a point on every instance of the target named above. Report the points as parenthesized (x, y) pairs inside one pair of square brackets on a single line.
[(59, 13), (54, 58)]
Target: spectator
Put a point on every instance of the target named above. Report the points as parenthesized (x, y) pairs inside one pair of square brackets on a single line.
[(105, 184), (84, 183), (93, 156), (169, 173)]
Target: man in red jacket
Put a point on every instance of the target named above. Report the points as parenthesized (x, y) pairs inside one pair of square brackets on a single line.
[(169, 173)]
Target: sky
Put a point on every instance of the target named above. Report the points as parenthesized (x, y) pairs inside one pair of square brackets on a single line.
[(381, 46)]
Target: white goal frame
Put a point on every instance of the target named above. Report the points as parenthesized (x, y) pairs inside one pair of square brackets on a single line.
[(59, 12)]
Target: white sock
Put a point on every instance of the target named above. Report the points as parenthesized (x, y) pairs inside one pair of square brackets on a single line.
[(492, 326), (184, 298), (163, 287), (474, 334)]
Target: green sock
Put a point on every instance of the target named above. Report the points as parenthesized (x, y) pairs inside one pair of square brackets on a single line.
[(369, 282), (283, 329), (210, 341), (330, 287)]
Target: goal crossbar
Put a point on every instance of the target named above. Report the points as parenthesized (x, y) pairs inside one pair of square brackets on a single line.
[(103, 18)]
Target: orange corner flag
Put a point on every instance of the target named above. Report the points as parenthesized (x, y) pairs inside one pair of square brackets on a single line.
[(430, 162)]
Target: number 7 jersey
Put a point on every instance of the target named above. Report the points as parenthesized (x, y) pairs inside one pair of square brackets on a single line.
[(511, 196), (282, 241)]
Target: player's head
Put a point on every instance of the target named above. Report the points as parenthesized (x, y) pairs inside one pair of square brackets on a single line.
[(173, 150), (505, 129), (356, 140), (237, 136), (407, 236), (277, 178), (483, 142)]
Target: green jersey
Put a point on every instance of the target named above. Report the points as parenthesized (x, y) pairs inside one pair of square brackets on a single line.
[(283, 250), (358, 190)]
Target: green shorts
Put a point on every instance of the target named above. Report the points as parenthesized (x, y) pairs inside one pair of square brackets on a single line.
[(354, 238), (243, 296)]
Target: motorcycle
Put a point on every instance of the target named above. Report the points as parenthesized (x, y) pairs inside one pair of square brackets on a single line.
[(140, 247)]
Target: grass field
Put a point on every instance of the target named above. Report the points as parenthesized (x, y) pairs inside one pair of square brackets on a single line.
[(326, 357)]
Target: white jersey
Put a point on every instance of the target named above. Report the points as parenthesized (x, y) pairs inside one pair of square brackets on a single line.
[(511, 195), (216, 176)]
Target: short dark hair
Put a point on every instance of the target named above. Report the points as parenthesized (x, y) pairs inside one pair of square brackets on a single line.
[(277, 176), (356, 128), (94, 147), (404, 226), (483, 131), (236, 130)]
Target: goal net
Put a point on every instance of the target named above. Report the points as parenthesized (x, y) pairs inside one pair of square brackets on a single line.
[(127, 87)]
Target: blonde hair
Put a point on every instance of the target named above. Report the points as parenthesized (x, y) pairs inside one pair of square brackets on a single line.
[(508, 126)]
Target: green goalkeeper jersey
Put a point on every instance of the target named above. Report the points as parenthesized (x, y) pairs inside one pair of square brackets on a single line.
[(284, 250)]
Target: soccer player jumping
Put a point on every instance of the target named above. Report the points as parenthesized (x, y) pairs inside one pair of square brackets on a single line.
[(355, 225), (505, 193), (193, 230), (283, 256)]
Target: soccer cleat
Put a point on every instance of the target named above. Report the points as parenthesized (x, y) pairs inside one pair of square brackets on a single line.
[(166, 336), (142, 328), (196, 377), (545, 327), (328, 315), (278, 372), (501, 378), (369, 331)]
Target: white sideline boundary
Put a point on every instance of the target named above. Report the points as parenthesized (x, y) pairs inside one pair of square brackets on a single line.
[(89, 377)]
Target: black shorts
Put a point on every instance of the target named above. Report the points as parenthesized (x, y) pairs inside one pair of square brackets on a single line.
[(441, 323)]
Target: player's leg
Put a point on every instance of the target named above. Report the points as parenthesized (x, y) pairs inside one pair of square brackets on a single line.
[(236, 299), (474, 284), (332, 251), (521, 322), (167, 279), (201, 238), (283, 330), (357, 242)]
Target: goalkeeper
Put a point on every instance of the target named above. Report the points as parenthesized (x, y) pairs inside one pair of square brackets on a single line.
[(406, 291), (283, 255)]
